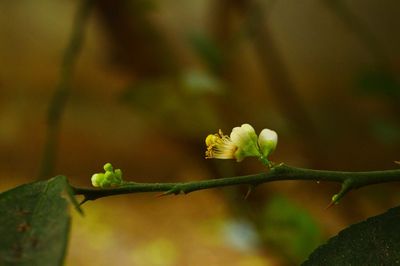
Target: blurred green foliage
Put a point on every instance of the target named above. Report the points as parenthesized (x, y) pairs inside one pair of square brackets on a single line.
[(184, 100), (385, 130), (381, 83), (290, 229), (207, 50)]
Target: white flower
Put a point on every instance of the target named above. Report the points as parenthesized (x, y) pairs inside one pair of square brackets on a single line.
[(267, 141), (220, 146), (245, 139), (240, 144)]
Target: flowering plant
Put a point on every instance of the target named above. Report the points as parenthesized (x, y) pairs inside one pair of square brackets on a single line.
[(242, 142)]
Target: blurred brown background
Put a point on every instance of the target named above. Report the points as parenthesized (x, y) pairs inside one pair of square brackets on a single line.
[(155, 77)]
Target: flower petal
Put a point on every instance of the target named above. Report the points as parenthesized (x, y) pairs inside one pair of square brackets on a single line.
[(245, 139)]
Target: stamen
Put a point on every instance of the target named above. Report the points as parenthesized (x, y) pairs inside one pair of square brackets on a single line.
[(220, 146)]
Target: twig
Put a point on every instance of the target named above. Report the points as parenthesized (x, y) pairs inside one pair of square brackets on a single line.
[(281, 172), (280, 81), (57, 103)]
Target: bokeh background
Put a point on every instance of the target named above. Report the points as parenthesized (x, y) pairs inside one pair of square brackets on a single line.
[(155, 77)]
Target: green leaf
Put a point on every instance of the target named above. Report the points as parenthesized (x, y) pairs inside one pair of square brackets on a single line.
[(35, 223), (290, 229), (375, 241), (385, 130), (207, 50)]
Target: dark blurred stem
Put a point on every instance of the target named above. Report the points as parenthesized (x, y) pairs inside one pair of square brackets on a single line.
[(280, 82), (360, 30), (280, 172), (58, 101), (255, 14)]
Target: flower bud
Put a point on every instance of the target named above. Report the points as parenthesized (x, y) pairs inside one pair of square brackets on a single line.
[(109, 175), (267, 141), (118, 174), (98, 180), (108, 167), (110, 178)]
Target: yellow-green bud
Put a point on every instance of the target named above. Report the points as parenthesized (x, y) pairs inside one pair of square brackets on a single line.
[(98, 179), (108, 167), (109, 175), (118, 173), (109, 178)]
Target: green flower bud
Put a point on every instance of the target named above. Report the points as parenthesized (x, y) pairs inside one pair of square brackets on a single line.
[(267, 141), (98, 179), (109, 175), (111, 180), (108, 179), (108, 167), (118, 173)]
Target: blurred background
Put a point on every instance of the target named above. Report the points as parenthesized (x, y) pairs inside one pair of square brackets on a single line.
[(155, 77)]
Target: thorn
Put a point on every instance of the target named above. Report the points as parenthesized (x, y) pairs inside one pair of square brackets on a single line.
[(275, 165), (85, 199), (346, 187), (166, 193), (334, 201), (249, 190), (173, 190), (331, 205)]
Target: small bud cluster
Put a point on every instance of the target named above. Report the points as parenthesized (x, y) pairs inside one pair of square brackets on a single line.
[(110, 178)]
